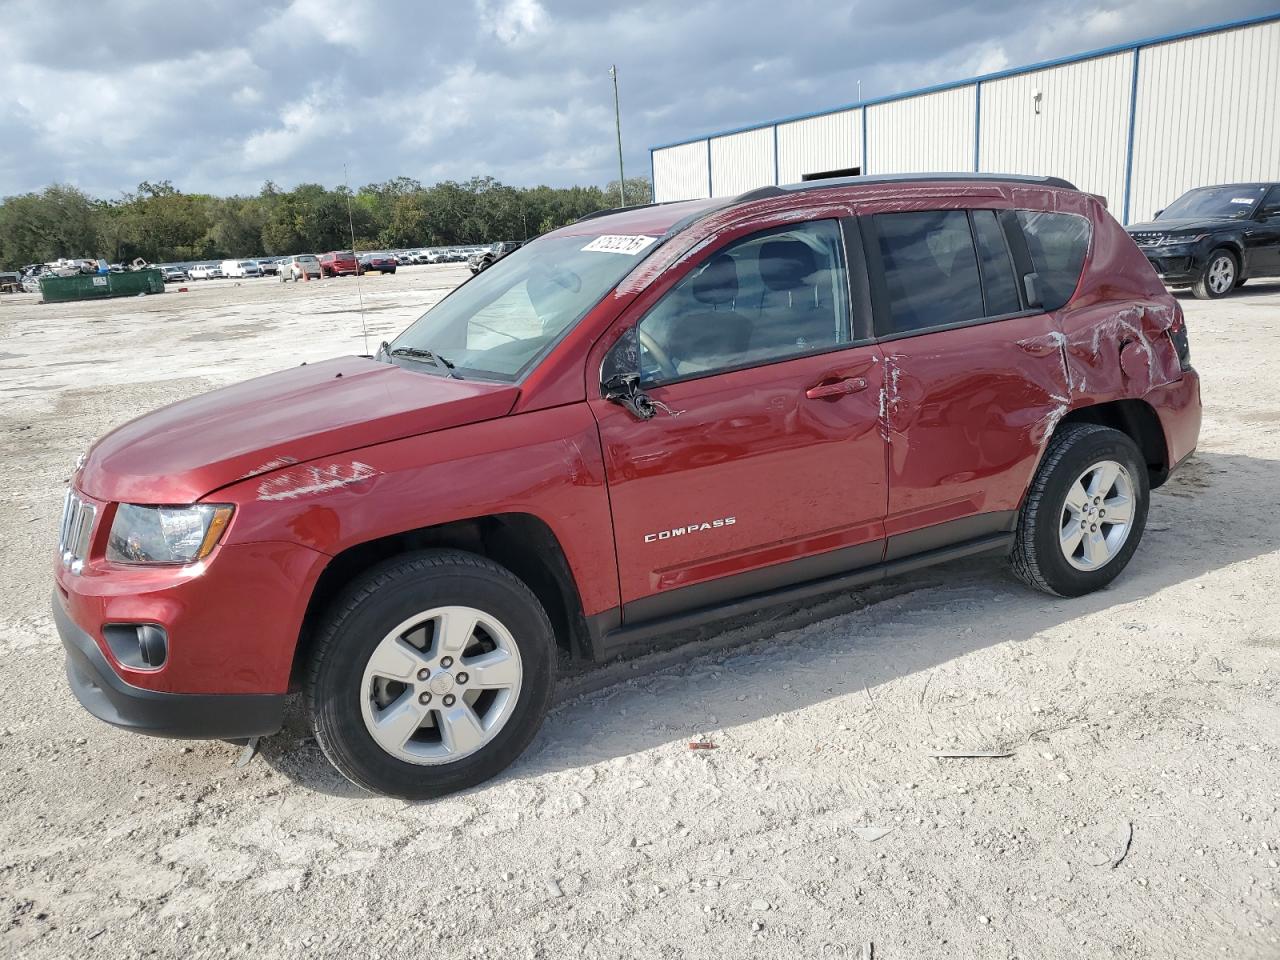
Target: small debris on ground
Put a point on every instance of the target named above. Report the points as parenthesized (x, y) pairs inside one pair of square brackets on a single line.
[(961, 754), (702, 745), (553, 889), (871, 834)]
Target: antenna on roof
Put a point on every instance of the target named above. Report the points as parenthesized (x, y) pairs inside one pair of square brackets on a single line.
[(351, 223)]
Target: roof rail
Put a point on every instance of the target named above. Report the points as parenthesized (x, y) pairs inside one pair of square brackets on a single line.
[(610, 210), (762, 193)]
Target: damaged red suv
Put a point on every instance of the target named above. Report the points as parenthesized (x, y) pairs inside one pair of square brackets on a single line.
[(647, 419)]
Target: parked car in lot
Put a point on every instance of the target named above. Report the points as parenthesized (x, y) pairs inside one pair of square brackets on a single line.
[(339, 263), (379, 262), (269, 267), (300, 267), (174, 274), (636, 424), (241, 268), (491, 254), (206, 271), (1213, 239)]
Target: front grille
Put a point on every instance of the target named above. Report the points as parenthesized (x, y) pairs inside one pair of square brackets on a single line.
[(1147, 239), (77, 527)]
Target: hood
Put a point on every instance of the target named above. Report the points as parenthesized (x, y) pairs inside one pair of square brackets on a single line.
[(1180, 226), (183, 452)]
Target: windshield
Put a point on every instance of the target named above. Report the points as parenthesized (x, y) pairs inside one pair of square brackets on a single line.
[(495, 325), (1213, 203)]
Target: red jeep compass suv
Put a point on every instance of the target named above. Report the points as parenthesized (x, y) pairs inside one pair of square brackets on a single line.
[(339, 263), (646, 419)]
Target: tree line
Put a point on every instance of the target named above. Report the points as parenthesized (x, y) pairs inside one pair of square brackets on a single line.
[(160, 223)]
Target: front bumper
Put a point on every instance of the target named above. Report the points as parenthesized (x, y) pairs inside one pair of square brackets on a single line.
[(196, 716), (1177, 266)]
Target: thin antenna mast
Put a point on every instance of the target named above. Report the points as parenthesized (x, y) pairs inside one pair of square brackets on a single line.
[(364, 327)]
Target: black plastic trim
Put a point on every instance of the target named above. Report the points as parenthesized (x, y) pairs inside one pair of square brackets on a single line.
[(192, 716), (610, 638), (953, 531)]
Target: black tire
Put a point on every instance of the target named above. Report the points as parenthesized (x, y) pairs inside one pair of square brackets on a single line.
[(1203, 289), (359, 619), (1038, 559)]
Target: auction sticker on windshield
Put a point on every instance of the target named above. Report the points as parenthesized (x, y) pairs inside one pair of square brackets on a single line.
[(614, 243)]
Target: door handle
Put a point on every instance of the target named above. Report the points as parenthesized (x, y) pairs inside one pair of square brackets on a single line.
[(836, 390)]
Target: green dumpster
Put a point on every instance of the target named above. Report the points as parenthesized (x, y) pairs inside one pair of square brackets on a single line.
[(91, 286)]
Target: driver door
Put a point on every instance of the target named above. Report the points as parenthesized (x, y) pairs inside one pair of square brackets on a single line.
[(1262, 237), (764, 465)]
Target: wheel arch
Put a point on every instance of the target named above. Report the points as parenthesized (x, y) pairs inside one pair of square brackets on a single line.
[(1138, 420), (521, 542)]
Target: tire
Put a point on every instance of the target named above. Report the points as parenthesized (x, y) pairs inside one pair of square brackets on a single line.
[(1241, 281), (347, 697), (1039, 557), (1218, 277)]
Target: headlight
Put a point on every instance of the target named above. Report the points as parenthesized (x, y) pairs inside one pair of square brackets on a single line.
[(1170, 241), (166, 534)]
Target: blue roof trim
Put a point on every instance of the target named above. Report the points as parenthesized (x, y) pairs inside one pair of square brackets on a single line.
[(998, 75)]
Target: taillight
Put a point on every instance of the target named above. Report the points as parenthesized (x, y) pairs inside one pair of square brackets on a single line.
[(1181, 343)]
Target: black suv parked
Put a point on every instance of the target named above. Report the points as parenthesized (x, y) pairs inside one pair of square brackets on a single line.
[(1213, 239)]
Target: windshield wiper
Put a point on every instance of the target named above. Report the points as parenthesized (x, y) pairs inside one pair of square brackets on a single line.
[(417, 353)]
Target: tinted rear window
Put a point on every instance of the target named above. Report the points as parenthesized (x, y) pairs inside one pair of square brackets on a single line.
[(1058, 243), (999, 283), (930, 269)]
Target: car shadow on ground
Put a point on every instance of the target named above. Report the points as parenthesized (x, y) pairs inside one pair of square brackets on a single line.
[(831, 651), (1251, 290)]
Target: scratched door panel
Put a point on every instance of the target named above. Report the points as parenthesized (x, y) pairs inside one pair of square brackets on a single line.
[(968, 412)]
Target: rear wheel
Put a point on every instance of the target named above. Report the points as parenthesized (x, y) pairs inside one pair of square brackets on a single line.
[(1085, 512), (1219, 276), (431, 674)]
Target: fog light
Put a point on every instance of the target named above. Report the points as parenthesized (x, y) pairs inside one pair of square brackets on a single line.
[(142, 646)]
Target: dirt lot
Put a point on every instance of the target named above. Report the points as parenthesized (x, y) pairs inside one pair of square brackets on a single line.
[(1151, 708)]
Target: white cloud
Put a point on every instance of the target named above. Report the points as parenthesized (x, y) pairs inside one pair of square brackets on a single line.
[(512, 21), (302, 122)]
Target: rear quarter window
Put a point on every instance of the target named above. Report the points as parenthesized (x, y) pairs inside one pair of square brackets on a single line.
[(1058, 243)]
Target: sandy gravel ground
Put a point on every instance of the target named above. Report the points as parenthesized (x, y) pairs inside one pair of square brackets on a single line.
[(1149, 712)]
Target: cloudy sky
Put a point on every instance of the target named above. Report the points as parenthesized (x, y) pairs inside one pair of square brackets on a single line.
[(221, 96)]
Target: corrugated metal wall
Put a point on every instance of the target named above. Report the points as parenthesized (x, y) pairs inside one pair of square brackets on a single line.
[(741, 162), (680, 173), (1080, 131), (1208, 112), (832, 141), (933, 131)]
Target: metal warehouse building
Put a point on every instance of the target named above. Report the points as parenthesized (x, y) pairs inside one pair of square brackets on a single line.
[(1138, 124)]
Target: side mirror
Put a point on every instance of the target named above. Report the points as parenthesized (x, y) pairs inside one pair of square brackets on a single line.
[(1030, 283)]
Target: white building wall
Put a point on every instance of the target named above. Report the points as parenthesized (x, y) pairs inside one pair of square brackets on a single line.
[(832, 141), (1208, 112), (929, 132), (680, 173), (1081, 131), (741, 162)]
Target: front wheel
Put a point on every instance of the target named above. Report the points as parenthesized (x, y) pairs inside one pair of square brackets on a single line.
[(1084, 513), (1218, 278), (431, 674)]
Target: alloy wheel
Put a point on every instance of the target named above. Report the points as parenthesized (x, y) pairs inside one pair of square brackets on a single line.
[(441, 685), (1097, 515), (1222, 274)]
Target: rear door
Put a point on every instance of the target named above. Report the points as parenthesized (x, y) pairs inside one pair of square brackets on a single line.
[(975, 375), (764, 465)]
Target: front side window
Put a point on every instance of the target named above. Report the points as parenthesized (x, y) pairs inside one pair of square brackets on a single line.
[(769, 296), (498, 323), (1270, 204), (930, 269), (1058, 243)]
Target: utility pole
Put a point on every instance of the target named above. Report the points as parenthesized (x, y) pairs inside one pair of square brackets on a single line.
[(617, 120)]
